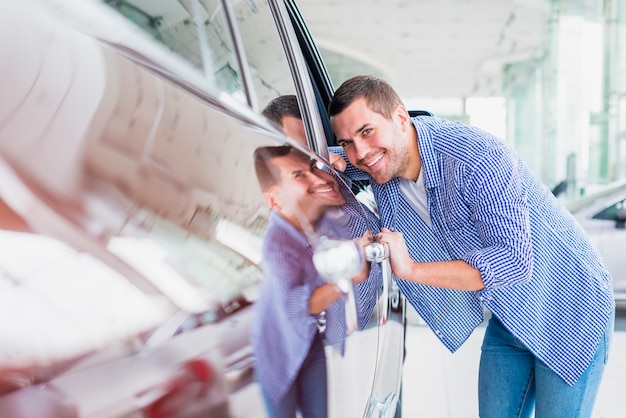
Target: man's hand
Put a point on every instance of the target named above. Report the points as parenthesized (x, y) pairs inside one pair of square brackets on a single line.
[(401, 261), (361, 243), (337, 161), (454, 274)]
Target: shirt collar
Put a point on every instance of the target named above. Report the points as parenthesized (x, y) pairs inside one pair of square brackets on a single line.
[(430, 167)]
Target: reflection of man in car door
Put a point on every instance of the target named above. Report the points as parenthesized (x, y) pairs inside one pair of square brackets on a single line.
[(289, 350), (285, 113)]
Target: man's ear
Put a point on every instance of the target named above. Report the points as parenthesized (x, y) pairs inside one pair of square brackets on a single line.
[(403, 116), (272, 197)]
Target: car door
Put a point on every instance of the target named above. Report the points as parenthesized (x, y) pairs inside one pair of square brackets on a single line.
[(388, 319), (367, 378), (143, 151), (129, 289)]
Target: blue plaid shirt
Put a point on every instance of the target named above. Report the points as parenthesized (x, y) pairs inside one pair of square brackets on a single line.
[(283, 329), (543, 279)]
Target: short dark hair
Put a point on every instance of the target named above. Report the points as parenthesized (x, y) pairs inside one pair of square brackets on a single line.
[(281, 106), (265, 172), (378, 94)]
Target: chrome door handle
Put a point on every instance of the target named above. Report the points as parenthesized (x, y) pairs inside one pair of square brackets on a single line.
[(378, 252), (337, 261)]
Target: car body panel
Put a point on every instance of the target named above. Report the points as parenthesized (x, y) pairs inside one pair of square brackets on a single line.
[(116, 151)]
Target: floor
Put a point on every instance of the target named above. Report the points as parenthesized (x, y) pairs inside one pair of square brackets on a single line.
[(439, 384)]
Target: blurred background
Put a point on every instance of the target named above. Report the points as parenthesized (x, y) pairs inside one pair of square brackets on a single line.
[(131, 243), (548, 76)]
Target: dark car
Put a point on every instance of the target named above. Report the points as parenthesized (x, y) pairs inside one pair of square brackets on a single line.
[(131, 218)]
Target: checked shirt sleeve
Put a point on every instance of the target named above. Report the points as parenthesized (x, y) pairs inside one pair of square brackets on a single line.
[(498, 202), (295, 279)]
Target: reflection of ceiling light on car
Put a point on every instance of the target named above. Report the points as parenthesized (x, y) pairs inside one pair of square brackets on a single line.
[(149, 259), (59, 306), (239, 240)]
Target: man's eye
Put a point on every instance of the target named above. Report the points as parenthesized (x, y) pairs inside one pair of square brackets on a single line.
[(367, 131), (344, 144)]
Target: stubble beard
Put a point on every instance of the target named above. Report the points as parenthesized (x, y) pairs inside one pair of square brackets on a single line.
[(398, 160)]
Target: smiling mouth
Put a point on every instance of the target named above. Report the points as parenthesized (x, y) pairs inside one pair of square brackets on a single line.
[(325, 189), (373, 161)]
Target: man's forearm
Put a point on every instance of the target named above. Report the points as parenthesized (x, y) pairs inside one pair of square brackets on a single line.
[(322, 297), (456, 275)]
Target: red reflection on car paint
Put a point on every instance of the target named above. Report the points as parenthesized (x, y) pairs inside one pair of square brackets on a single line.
[(190, 384)]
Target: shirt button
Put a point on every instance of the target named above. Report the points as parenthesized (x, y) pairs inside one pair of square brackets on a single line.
[(438, 333)]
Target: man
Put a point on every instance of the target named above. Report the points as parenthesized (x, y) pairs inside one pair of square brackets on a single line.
[(284, 112), (289, 350), (469, 226)]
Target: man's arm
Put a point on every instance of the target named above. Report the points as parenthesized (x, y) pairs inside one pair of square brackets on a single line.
[(499, 211), (455, 274), (323, 296)]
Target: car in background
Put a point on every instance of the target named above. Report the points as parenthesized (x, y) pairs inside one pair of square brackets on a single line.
[(602, 215), (130, 214)]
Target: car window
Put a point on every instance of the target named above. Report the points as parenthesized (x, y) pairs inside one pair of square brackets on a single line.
[(610, 212), (195, 31), (269, 70), (198, 32)]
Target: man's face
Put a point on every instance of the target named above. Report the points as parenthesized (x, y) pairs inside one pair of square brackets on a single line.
[(373, 143), (302, 189), (294, 128)]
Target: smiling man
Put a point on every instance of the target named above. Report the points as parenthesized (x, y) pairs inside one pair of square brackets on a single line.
[(289, 349), (470, 227)]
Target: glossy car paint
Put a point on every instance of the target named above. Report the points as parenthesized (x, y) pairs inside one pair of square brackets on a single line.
[(133, 174)]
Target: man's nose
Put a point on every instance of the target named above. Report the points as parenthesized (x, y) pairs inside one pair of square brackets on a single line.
[(360, 149)]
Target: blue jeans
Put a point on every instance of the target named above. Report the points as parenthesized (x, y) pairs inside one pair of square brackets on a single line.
[(308, 394), (513, 383)]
